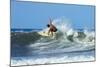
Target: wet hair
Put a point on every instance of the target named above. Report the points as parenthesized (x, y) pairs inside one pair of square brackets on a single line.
[(48, 25)]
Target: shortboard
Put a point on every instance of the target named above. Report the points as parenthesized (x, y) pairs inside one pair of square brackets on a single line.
[(45, 33)]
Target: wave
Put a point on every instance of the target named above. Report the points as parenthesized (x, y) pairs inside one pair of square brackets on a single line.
[(69, 45), (24, 37), (66, 40), (66, 58)]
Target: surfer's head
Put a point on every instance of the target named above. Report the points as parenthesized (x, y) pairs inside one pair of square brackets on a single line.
[(48, 25)]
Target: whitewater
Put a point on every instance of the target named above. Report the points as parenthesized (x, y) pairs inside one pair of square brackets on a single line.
[(69, 45)]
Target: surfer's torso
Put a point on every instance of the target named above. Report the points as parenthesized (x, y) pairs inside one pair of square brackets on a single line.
[(53, 28)]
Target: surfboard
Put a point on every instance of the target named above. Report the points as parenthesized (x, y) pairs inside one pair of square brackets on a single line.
[(45, 33)]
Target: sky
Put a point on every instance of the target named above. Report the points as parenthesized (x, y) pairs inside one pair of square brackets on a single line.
[(35, 15)]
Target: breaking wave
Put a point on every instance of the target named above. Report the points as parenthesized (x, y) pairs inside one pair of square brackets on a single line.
[(67, 40)]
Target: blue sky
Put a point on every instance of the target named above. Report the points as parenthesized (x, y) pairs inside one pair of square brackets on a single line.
[(36, 15)]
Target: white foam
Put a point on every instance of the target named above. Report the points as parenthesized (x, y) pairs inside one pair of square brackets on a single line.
[(55, 46), (62, 59)]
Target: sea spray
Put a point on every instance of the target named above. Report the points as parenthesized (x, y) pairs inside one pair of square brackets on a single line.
[(64, 26)]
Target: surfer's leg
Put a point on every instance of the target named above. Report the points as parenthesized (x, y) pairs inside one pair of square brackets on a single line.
[(51, 33)]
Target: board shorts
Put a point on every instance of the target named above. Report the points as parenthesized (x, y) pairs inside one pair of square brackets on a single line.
[(53, 30)]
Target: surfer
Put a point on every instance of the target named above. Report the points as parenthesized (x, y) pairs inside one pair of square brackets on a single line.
[(51, 27)]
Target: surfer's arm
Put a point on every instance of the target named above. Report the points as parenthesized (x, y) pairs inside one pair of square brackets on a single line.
[(50, 21)]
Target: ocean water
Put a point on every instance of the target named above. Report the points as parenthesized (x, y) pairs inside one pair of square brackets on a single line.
[(69, 45)]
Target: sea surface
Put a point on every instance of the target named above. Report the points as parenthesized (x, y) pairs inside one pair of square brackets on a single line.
[(68, 45), (30, 48)]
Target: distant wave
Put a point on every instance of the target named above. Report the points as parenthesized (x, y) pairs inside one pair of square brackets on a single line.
[(24, 30)]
